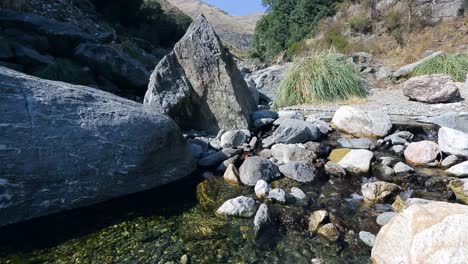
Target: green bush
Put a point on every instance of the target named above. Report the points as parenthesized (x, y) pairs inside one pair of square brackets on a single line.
[(319, 78), (455, 65), (360, 24), (392, 21), (334, 38), (65, 71)]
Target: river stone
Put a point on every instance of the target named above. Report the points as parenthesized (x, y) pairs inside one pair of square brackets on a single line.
[(382, 172), (257, 168), (64, 146), (357, 161), (384, 218), (234, 138), (278, 195), (231, 175), (261, 217), (216, 158), (460, 188), (298, 193), (334, 169), (262, 188), (293, 131), (376, 192), (240, 206), (223, 166), (316, 219), (196, 150), (329, 231), (429, 233), (268, 142), (453, 141), (357, 122), (436, 88), (199, 85), (298, 171), (399, 205), (286, 153), (356, 143), (338, 154), (449, 161), (318, 148), (264, 114), (459, 170), (263, 122), (367, 238), (400, 167), (395, 140), (422, 152), (453, 120)]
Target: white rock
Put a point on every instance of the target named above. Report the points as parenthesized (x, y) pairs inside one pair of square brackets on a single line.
[(298, 193), (234, 138), (239, 206), (449, 161), (367, 238), (261, 217), (376, 192), (453, 141), (459, 170), (261, 189), (398, 149), (401, 167), (384, 218), (357, 161), (422, 152), (359, 123), (278, 195)]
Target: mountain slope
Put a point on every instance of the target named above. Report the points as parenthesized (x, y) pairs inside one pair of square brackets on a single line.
[(235, 31)]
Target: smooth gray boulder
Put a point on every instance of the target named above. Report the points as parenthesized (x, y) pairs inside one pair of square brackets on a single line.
[(199, 85), (240, 206), (257, 168), (293, 131), (64, 146), (300, 172), (357, 122)]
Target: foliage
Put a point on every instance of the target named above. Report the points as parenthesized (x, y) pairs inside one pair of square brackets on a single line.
[(288, 22), (334, 38), (136, 53), (455, 65), (361, 24), (321, 77), (65, 71)]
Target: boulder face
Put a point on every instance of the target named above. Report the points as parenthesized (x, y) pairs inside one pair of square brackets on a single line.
[(199, 85), (436, 88), (360, 123), (453, 141), (64, 146), (424, 233)]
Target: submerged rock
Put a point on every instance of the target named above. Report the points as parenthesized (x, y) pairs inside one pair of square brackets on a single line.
[(453, 141), (376, 192), (261, 217), (460, 189), (436, 88), (240, 206), (65, 146), (257, 168), (357, 161), (298, 171), (382, 172), (316, 219), (329, 231), (357, 122), (334, 169), (422, 152), (199, 85), (428, 233)]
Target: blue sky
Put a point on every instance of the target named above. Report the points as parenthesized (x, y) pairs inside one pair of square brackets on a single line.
[(237, 7)]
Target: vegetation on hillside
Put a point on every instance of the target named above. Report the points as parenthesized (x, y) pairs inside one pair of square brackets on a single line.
[(65, 71), (286, 23), (455, 65), (319, 78)]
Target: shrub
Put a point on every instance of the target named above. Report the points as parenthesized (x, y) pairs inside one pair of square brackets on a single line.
[(360, 24), (392, 21), (334, 38), (65, 71), (321, 77), (455, 65)]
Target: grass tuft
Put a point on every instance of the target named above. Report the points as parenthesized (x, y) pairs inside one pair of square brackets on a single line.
[(323, 77), (455, 65), (65, 71)]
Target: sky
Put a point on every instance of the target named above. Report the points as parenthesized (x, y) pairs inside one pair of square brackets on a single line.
[(237, 7)]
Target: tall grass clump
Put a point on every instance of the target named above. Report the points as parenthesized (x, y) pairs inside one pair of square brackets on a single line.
[(65, 71), (455, 65), (322, 77)]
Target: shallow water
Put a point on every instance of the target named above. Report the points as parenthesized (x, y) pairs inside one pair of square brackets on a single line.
[(170, 225)]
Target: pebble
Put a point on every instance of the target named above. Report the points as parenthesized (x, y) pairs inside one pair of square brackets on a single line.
[(298, 193), (367, 238), (384, 218), (278, 195), (261, 189)]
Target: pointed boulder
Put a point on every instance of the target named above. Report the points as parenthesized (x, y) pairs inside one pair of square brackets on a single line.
[(199, 85)]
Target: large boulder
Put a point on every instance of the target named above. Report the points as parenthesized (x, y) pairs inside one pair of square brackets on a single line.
[(64, 146), (407, 69), (360, 123), (424, 233), (199, 84), (112, 63), (266, 81), (257, 168), (453, 120), (422, 152), (453, 142), (436, 88), (293, 131)]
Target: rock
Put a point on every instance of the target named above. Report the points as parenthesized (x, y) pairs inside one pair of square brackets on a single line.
[(263, 122), (453, 141), (30, 57), (199, 85), (395, 140), (460, 188), (196, 150), (215, 144), (65, 146), (453, 120), (422, 152), (261, 217), (449, 161), (316, 219), (262, 188), (356, 143), (329, 231), (257, 168), (207, 174), (296, 131), (407, 69), (357, 161), (298, 193), (231, 161), (383, 73), (215, 159), (286, 153), (268, 142), (334, 169), (428, 233), (240, 206), (443, 9), (459, 170), (113, 64), (234, 139), (400, 167), (382, 172), (264, 114), (203, 142), (268, 80), (399, 205), (384, 218), (357, 122), (376, 192), (436, 88), (300, 172), (338, 154), (289, 114), (367, 238), (278, 195), (323, 126), (387, 161), (265, 153), (231, 175), (318, 148), (398, 149)]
